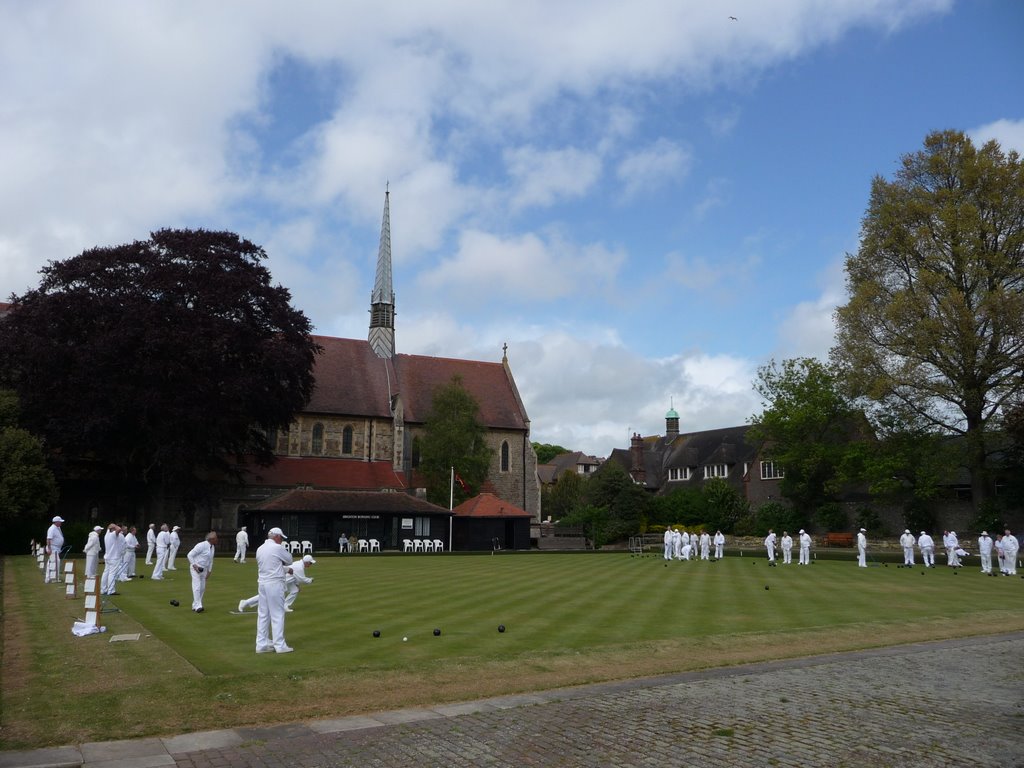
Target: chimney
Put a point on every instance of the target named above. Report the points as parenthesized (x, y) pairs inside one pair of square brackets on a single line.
[(636, 452)]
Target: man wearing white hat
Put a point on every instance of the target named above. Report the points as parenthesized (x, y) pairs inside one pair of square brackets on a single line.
[(241, 544), (172, 549), (719, 545), (862, 548), (985, 552), (272, 566), (92, 551), (54, 543), (805, 548), (907, 541), (926, 544), (295, 578)]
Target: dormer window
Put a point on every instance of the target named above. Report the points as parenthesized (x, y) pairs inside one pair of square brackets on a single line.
[(716, 470), (679, 473), (771, 471)]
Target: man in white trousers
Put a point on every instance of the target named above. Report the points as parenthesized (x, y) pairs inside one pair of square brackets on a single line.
[(92, 552), (241, 544), (1010, 549), (113, 555), (163, 543), (131, 548), (705, 545), (150, 543), (200, 561), (985, 552), (787, 548), (907, 541), (769, 545), (719, 545), (668, 538), (273, 561), (172, 548), (54, 544), (926, 544), (805, 548), (295, 578), (862, 548)]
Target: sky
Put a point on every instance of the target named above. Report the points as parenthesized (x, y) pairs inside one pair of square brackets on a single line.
[(645, 201)]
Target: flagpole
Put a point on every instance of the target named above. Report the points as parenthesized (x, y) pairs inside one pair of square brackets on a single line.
[(451, 503)]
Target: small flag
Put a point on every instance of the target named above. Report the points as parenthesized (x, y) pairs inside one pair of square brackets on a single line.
[(462, 483)]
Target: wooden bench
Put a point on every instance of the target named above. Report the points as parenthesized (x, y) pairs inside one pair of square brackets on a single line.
[(838, 539)]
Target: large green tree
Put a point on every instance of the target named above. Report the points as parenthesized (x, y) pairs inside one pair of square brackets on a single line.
[(162, 357), (806, 428), (27, 486), (935, 322), (453, 438)]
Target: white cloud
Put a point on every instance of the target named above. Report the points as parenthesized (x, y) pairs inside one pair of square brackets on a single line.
[(1009, 134), (808, 329), (544, 177), (658, 164), (524, 268)]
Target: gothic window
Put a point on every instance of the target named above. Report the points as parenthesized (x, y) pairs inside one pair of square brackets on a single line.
[(504, 456), (318, 439), (346, 441)]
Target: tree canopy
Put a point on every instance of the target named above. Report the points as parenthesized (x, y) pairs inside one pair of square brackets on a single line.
[(162, 357), (453, 438), (934, 328)]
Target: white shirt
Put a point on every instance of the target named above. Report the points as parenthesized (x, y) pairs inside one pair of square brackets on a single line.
[(54, 538), (862, 540), (271, 560), (787, 542), (151, 536), (130, 542), (113, 543), (907, 540), (174, 539), (985, 545), (1010, 545), (163, 540), (202, 556), (92, 545), (719, 538), (769, 540), (242, 539), (298, 574), (805, 540), (924, 540)]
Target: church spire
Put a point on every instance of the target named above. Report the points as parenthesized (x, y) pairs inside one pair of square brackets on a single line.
[(382, 300)]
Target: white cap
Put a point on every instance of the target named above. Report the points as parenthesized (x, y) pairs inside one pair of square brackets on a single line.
[(801, 530), (984, 533), (243, 527), (97, 528), (176, 528), (276, 532), (863, 530), (58, 519), (308, 560)]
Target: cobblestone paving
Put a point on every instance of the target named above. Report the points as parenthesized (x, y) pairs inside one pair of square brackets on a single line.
[(956, 703)]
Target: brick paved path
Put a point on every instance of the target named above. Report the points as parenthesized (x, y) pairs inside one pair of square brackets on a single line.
[(951, 703)]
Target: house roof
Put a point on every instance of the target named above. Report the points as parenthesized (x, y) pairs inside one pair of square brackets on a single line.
[(488, 505), (350, 474), (563, 462), (352, 380), (300, 500)]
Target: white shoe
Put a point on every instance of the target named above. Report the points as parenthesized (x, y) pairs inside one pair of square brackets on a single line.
[(268, 649), (286, 649), (288, 610), (241, 606)]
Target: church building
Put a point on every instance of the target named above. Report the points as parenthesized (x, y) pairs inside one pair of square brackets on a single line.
[(360, 433)]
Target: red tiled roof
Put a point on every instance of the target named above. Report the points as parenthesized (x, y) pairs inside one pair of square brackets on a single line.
[(352, 380), (349, 501), (488, 505), (350, 474)]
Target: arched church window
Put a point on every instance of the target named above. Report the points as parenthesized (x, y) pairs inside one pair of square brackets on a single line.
[(504, 456), (346, 441), (318, 439)]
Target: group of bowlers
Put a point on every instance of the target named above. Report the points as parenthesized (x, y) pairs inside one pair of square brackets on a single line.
[(680, 545), (1004, 547), (278, 576)]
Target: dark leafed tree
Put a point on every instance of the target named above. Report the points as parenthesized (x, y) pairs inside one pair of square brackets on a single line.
[(935, 322), (162, 357), (27, 486), (454, 438)]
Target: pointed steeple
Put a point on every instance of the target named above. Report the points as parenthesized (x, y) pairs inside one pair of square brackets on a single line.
[(382, 300)]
